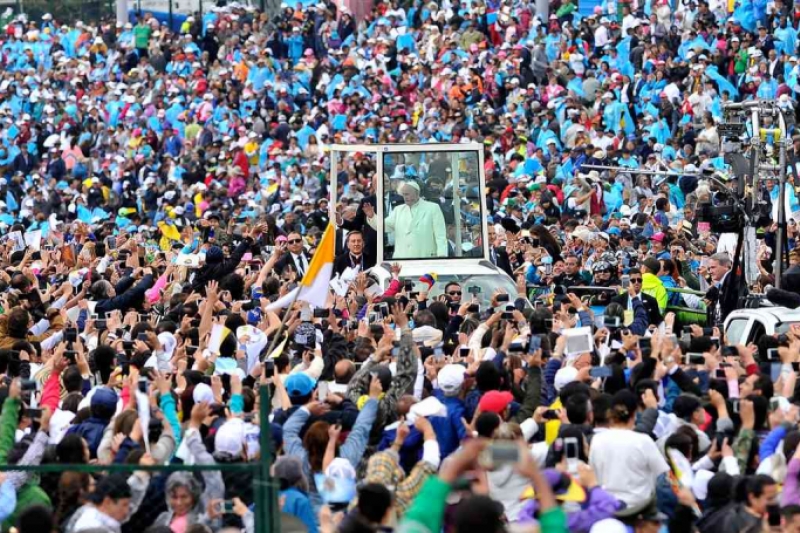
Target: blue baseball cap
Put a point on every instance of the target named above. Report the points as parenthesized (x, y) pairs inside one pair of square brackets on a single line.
[(254, 316), (299, 384)]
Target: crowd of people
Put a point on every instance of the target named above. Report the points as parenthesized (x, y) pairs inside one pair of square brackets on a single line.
[(164, 188)]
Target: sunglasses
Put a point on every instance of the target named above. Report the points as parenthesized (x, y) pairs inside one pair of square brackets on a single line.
[(294, 241), (454, 293), (636, 280)]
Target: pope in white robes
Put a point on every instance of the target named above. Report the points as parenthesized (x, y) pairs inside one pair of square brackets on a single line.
[(417, 225)]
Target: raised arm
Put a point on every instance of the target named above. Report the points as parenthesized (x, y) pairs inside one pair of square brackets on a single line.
[(206, 318), (407, 362), (533, 388), (291, 433), (34, 453), (359, 384), (9, 419), (215, 487), (356, 443), (124, 300)]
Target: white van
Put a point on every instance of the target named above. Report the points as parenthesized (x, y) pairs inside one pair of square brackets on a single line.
[(744, 326)]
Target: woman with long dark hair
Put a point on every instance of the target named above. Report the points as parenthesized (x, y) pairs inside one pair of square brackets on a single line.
[(272, 231), (73, 489), (547, 241)]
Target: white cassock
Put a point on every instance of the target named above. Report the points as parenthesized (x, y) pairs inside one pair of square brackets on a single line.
[(419, 230)]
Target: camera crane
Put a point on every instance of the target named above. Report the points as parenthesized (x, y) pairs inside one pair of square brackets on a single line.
[(740, 210)]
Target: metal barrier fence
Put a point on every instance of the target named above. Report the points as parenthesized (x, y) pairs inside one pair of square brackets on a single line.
[(685, 315), (208, 498)]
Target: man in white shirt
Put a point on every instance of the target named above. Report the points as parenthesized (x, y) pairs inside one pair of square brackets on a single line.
[(629, 21), (627, 463), (604, 141), (601, 37), (673, 92), (112, 499)]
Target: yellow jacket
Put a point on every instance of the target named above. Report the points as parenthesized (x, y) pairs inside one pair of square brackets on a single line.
[(654, 287)]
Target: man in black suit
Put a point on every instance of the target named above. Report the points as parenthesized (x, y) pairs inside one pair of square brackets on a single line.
[(295, 257), (726, 288), (358, 222), (650, 303), (498, 254), (355, 256)]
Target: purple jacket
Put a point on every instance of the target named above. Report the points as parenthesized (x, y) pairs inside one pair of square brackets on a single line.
[(791, 491), (599, 505)]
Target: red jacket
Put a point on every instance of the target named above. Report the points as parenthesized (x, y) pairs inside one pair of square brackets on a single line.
[(240, 160), (557, 192)]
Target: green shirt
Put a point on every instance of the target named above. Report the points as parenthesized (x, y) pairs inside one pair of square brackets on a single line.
[(426, 514), (141, 35), (192, 130), (741, 61), (30, 493)]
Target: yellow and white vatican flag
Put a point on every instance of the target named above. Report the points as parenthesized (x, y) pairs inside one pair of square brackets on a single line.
[(316, 282)]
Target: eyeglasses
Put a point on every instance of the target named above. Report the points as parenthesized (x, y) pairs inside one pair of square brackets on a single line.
[(454, 293), (636, 280), (294, 241)]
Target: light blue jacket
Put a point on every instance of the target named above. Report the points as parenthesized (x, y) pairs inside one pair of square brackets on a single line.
[(8, 499), (352, 449), (297, 503), (167, 404)]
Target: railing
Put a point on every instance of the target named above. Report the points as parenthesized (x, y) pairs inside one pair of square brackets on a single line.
[(67, 487)]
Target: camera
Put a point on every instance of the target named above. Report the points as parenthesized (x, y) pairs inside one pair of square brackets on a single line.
[(722, 218)]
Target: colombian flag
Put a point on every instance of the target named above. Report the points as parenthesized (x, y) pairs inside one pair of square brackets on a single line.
[(429, 279)]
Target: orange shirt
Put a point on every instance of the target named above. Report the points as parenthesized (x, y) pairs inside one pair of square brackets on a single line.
[(241, 71), (457, 92)]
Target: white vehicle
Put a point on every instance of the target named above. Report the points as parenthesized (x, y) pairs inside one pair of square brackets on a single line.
[(481, 280), (744, 326)]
